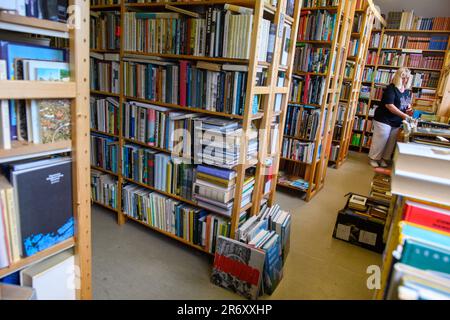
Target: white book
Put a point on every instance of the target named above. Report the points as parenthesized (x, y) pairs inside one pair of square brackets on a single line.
[(53, 278), (5, 130)]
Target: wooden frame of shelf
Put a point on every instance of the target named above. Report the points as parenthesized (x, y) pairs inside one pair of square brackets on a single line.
[(380, 65), (77, 90), (314, 173), (262, 119), (350, 104)]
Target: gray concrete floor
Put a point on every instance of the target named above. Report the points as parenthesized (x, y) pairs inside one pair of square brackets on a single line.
[(133, 262)]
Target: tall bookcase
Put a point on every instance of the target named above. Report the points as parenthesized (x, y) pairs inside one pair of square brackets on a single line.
[(380, 50), (77, 89), (362, 28), (311, 173), (265, 119)]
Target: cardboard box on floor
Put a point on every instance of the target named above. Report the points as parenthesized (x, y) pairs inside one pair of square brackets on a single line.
[(360, 228)]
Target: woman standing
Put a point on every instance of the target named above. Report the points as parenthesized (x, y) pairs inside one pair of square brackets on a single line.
[(395, 107)]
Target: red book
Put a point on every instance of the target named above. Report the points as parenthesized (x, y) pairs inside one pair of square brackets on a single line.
[(427, 216), (305, 95), (183, 82)]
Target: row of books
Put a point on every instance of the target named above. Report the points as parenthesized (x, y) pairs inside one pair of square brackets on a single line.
[(104, 152), (202, 85), (337, 133), (302, 123), (345, 91), (362, 107), (356, 139), (320, 3), (372, 57), (308, 90), (375, 39), (48, 10), (438, 42), (291, 181), (297, 150), (378, 92), (214, 189), (252, 265), (159, 127), (425, 79), (425, 93), (317, 25), (34, 120), (159, 170), (413, 60), (34, 213), (105, 30), (359, 123), (368, 74), (311, 59), (406, 20), (104, 114), (353, 47), (367, 141), (219, 33), (349, 70), (105, 72), (384, 76), (104, 188), (334, 152), (218, 142), (420, 268), (357, 22), (340, 113), (192, 224), (109, 2)]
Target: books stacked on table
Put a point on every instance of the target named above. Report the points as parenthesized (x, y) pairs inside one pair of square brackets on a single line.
[(262, 245), (214, 189), (218, 142)]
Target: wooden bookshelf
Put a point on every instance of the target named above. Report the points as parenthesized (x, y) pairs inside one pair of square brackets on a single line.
[(260, 120), (380, 65), (341, 144), (314, 172), (77, 90)]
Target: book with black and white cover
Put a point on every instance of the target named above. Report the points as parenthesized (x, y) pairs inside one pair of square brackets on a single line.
[(238, 267), (43, 197)]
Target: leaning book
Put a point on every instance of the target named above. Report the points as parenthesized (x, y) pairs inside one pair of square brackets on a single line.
[(238, 267)]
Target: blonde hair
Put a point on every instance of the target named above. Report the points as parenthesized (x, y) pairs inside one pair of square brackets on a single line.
[(399, 75)]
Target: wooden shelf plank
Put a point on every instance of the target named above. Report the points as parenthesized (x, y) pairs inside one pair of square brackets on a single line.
[(245, 3), (104, 93), (25, 262), (105, 7), (189, 57), (104, 170), (415, 31), (22, 150), (329, 8), (190, 109), (22, 89), (170, 235), (105, 133), (14, 22), (105, 206)]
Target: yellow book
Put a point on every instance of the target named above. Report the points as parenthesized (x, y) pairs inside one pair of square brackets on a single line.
[(223, 182)]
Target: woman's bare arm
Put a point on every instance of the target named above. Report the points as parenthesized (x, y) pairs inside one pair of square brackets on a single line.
[(393, 109)]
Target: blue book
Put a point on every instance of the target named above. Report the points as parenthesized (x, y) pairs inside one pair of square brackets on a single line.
[(213, 171), (425, 256), (410, 231), (10, 51)]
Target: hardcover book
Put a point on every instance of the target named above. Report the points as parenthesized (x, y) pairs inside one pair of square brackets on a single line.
[(238, 267), (43, 194)]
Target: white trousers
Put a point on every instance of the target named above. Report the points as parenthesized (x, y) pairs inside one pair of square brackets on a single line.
[(383, 141)]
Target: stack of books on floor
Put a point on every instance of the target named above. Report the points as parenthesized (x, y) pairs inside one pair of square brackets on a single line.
[(214, 189), (218, 141), (421, 269), (194, 225), (381, 187), (104, 188), (262, 244)]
